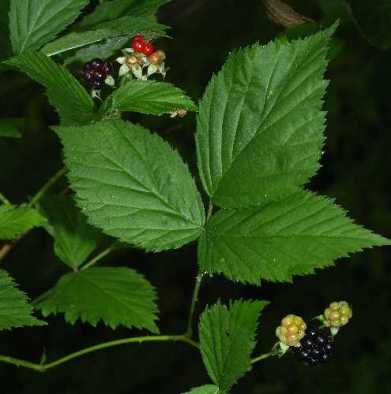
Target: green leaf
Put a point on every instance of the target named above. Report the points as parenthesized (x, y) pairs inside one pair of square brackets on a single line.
[(11, 127), (208, 389), (15, 221), (33, 23), (102, 50), (114, 9), (374, 20), (148, 97), (74, 238), (260, 121), (116, 296), (128, 26), (227, 339), (71, 100), (133, 185), (293, 236), (15, 310)]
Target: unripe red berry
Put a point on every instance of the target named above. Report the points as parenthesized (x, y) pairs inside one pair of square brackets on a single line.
[(138, 45), (148, 49), (138, 37)]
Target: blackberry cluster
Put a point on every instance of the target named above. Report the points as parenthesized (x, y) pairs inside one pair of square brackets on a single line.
[(315, 348), (95, 73)]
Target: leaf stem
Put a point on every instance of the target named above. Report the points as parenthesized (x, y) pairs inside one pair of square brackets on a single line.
[(9, 246), (210, 211), (264, 356), (99, 257), (197, 288), (105, 345), (194, 300), (41, 297), (58, 175), (4, 199)]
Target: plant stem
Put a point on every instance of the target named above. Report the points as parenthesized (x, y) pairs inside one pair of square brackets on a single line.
[(95, 348), (4, 199), (99, 257), (264, 357), (196, 292), (37, 300), (197, 287), (59, 174), (210, 211), (9, 246)]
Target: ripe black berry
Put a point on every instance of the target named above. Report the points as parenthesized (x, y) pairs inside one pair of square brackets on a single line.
[(315, 348), (95, 73)]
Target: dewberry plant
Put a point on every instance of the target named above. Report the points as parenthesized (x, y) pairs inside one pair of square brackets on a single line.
[(259, 138)]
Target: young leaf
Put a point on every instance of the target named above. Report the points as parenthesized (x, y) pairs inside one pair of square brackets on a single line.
[(11, 127), (148, 97), (71, 100), (208, 389), (133, 185), (128, 26), (74, 238), (114, 9), (227, 339), (117, 296), (33, 23), (15, 221), (260, 122), (293, 236), (15, 310)]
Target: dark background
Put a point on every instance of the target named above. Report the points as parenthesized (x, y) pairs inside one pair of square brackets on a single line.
[(356, 171)]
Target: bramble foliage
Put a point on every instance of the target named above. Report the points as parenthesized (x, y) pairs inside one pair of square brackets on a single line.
[(117, 296), (227, 339), (14, 308), (15, 221), (259, 141)]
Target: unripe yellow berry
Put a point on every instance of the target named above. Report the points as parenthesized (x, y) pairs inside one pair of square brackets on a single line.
[(291, 331), (338, 314), (157, 57), (131, 60)]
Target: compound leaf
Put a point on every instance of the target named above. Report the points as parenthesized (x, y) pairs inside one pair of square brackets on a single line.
[(133, 186), (125, 26), (33, 23), (66, 94), (293, 236), (114, 9), (15, 221), (15, 310), (260, 122), (227, 339), (117, 296), (74, 238), (148, 97)]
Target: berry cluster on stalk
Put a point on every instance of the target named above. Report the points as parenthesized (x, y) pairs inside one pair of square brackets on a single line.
[(312, 345), (96, 73), (142, 60), (315, 348)]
